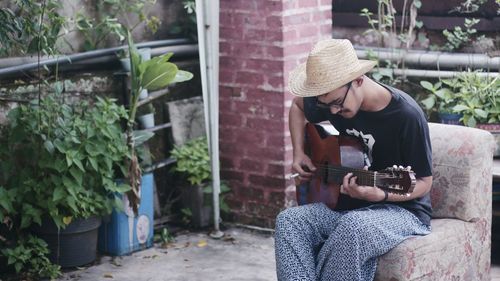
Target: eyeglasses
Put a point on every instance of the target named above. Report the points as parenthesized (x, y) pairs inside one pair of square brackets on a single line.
[(334, 104)]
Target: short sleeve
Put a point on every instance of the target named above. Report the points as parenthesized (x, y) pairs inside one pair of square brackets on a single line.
[(416, 145)]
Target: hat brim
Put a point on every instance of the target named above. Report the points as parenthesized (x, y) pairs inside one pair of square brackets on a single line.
[(298, 85)]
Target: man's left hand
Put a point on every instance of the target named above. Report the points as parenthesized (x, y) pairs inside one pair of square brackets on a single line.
[(367, 193)]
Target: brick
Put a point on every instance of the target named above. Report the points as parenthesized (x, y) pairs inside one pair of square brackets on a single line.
[(257, 95), (230, 33), (224, 48), (322, 16), (228, 162), (275, 82), (275, 141), (308, 31), (257, 109), (272, 35), (274, 52), (299, 48), (247, 194), (249, 78), (277, 198), (231, 63), (252, 165), (275, 169), (251, 138), (231, 175), (269, 7), (264, 124), (262, 65), (247, 50), (269, 154), (274, 22), (231, 119), (290, 35), (266, 181), (226, 18), (227, 136), (297, 19), (226, 76), (308, 3)]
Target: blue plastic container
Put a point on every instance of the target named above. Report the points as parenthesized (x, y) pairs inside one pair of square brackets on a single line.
[(125, 232)]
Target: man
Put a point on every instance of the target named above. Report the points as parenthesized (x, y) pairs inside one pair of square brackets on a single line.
[(314, 242)]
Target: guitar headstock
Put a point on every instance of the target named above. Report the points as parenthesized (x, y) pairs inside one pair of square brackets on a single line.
[(398, 180)]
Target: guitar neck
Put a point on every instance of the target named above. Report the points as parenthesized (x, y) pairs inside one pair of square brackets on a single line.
[(336, 174)]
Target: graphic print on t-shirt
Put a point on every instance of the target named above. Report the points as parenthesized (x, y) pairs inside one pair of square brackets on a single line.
[(368, 141)]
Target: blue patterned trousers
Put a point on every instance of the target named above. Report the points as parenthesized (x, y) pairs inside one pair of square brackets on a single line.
[(313, 242)]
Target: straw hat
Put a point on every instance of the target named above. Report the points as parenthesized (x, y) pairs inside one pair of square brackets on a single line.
[(331, 64)]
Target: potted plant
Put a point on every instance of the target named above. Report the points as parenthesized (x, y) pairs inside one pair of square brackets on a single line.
[(136, 219), (193, 163), (146, 116), (478, 98), (441, 100), (59, 164), (151, 75)]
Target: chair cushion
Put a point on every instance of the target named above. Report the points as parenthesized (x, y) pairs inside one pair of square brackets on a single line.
[(462, 161), (453, 251)]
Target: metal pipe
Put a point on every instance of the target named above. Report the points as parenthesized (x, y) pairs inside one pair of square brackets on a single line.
[(430, 73), (32, 62), (436, 60)]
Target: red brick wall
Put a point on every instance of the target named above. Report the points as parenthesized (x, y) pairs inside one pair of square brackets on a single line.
[(260, 42)]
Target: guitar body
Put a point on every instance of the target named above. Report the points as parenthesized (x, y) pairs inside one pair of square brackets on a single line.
[(328, 150)]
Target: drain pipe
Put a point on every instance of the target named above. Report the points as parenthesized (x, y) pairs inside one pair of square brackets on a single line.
[(32, 62), (436, 60)]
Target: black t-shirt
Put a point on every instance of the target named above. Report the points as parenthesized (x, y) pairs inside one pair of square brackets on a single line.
[(395, 135)]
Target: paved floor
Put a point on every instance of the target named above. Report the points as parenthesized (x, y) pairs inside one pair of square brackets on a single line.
[(242, 255)]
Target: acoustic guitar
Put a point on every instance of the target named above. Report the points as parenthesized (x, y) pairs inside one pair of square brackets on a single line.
[(334, 157)]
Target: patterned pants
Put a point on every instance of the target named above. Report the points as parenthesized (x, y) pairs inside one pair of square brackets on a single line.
[(312, 242)]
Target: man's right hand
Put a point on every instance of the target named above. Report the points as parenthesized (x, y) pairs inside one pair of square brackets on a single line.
[(303, 165)]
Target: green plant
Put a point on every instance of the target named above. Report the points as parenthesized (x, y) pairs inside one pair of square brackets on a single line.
[(114, 18), (150, 75), (186, 25), (29, 258), (61, 160), (29, 26), (145, 109), (384, 25), (224, 190), (479, 98), (193, 160), (469, 6), (164, 237), (441, 99), (458, 37)]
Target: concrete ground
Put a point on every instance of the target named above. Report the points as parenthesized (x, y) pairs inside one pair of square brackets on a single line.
[(241, 255)]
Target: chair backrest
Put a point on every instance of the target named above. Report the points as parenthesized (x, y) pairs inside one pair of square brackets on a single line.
[(462, 164)]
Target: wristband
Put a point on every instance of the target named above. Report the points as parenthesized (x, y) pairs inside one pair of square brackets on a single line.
[(386, 196)]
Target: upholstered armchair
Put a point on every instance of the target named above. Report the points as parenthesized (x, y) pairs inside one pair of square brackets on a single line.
[(459, 247)]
